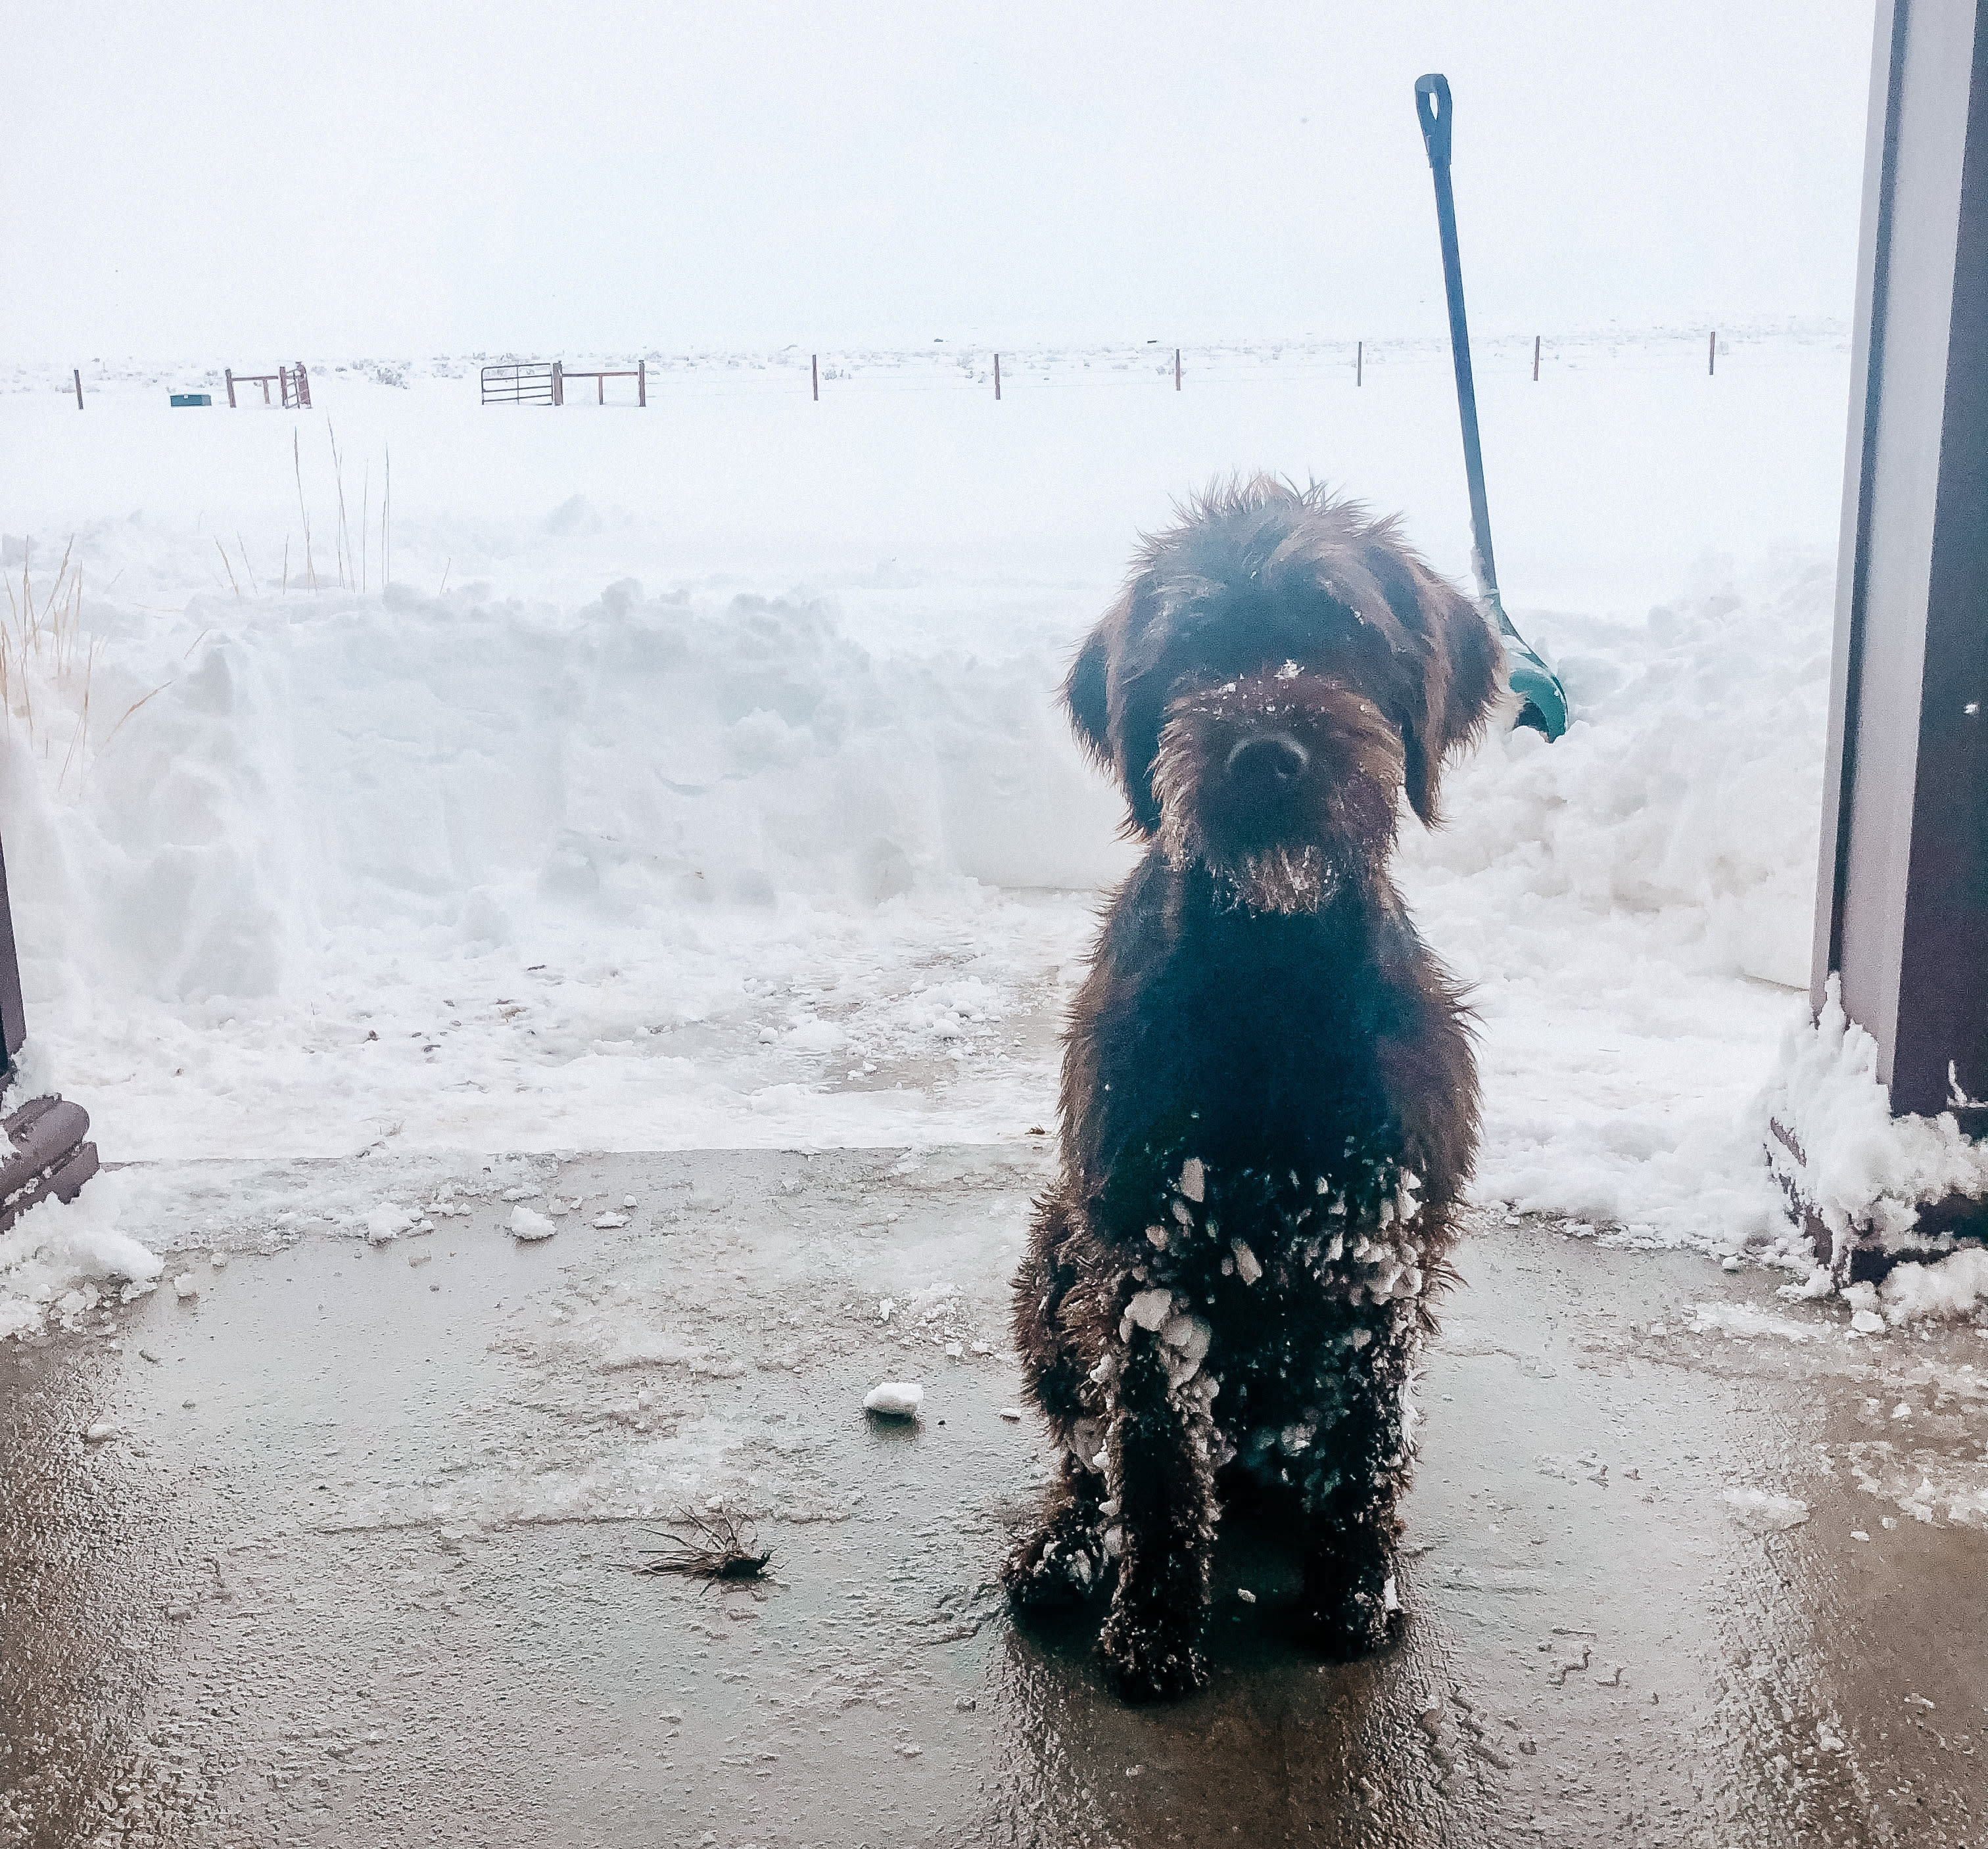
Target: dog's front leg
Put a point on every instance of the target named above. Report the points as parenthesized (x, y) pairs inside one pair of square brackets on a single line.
[(1160, 1470), (1349, 1496)]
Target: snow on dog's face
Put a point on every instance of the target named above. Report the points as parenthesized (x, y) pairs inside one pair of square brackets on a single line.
[(1278, 670), (1283, 785)]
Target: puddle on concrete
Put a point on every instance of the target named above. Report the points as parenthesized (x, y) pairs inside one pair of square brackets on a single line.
[(393, 1506)]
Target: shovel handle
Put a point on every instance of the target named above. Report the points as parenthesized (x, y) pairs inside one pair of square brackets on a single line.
[(1432, 111)]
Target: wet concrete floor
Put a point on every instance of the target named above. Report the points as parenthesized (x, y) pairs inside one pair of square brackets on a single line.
[(345, 1562)]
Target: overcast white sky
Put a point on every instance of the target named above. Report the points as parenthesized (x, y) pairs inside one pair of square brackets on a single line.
[(190, 178)]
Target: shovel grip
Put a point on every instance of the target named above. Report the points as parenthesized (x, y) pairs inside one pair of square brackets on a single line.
[(1432, 111)]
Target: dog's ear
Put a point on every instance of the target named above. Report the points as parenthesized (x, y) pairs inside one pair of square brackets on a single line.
[(1463, 672), (1086, 696)]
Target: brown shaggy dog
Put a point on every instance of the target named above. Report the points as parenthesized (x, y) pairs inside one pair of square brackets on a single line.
[(1269, 1107)]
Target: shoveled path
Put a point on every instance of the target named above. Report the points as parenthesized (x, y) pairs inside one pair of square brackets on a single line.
[(349, 1569)]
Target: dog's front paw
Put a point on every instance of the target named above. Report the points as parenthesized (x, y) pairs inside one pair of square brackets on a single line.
[(1147, 1662), (1356, 1619), (1061, 1563)]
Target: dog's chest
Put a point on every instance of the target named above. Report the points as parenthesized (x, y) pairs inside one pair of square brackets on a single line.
[(1255, 1246), (1262, 1034)]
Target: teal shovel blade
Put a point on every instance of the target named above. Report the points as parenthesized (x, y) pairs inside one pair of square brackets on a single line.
[(1543, 700)]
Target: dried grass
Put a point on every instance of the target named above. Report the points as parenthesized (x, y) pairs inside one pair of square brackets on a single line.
[(43, 644), (708, 1545)]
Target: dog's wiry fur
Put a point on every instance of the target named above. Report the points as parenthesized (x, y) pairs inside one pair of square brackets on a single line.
[(1269, 1106)]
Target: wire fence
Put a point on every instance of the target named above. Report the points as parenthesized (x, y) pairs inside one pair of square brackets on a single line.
[(1359, 364), (1149, 366)]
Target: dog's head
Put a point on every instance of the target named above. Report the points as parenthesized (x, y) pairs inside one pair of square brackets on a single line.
[(1279, 669)]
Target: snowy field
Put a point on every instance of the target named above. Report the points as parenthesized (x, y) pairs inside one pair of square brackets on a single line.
[(688, 776)]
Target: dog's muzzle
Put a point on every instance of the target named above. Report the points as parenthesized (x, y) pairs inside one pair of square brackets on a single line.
[(1282, 785)]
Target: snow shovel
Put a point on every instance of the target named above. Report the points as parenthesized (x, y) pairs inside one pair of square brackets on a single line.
[(1543, 699)]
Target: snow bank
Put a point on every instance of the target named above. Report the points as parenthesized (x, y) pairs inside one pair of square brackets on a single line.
[(1632, 905), (436, 767), (790, 846)]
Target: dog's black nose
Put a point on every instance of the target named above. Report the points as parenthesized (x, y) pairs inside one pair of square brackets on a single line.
[(1266, 765)]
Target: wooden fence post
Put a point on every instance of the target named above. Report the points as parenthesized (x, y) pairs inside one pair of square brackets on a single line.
[(1535, 359), (997, 378), (1359, 362), (641, 383), (228, 374), (79, 388), (559, 383), (814, 372), (1177, 368), (1712, 353)]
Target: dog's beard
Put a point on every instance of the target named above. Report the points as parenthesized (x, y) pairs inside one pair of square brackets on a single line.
[(1283, 878), (1289, 880)]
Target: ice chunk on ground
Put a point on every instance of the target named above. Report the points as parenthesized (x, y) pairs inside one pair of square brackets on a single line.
[(1743, 1320), (895, 1399), (1766, 1511), (387, 1221), (1819, 1283), (528, 1226)]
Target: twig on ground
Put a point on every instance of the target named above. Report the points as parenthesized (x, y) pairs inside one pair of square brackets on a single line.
[(712, 1546)]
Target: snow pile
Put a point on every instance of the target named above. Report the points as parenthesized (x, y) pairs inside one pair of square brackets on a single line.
[(443, 766), (1864, 1172), (61, 1259), (1947, 1289), (793, 848), (646, 870), (1632, 905)]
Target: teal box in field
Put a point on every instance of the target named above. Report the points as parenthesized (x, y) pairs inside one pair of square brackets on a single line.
[(192, 397)]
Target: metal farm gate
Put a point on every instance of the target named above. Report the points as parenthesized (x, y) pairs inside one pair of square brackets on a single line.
[(526, 382)]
